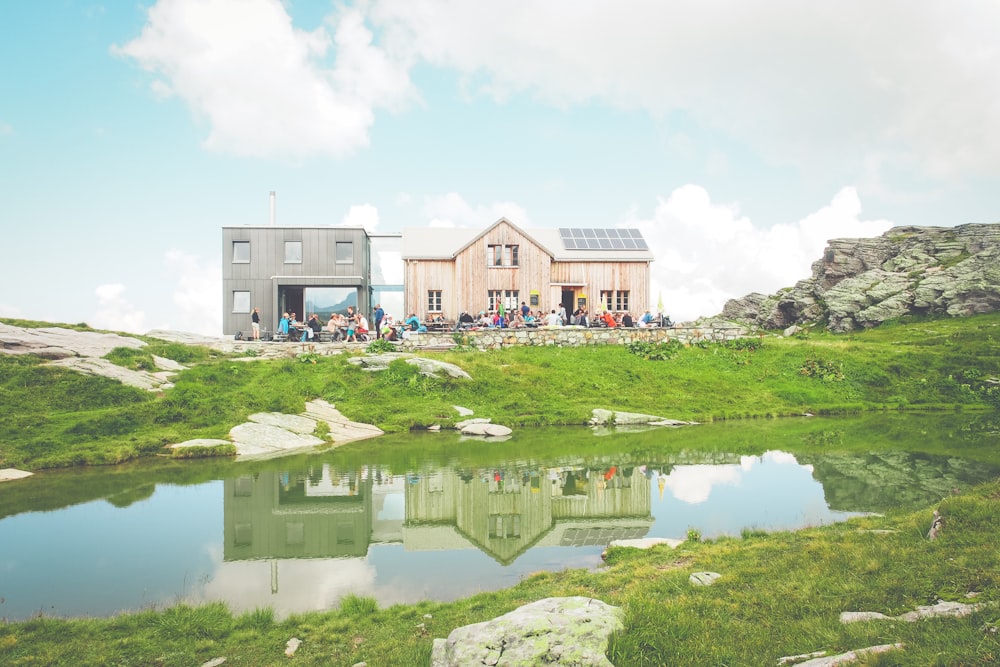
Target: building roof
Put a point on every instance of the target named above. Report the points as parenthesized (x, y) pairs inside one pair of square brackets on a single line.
[(448, 242)]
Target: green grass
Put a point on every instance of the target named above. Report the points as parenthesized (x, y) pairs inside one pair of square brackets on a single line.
[(52, 417)]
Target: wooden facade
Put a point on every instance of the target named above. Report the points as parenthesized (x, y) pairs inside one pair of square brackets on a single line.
[(519, 266)]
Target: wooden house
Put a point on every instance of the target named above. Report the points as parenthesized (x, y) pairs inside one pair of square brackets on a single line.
[(451, 270)]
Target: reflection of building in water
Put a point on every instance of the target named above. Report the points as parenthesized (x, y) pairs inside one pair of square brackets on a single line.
[(297, 515), (506, 511), (324, 513)]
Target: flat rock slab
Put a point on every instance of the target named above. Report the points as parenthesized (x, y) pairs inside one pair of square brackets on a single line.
[(10, 474), (941, 609), (200, 442), (602, 417), (294, 423), (56, 342), (430, 367), (646, 543), (104, 368), (342, 429), (254, 440), (554, 631)]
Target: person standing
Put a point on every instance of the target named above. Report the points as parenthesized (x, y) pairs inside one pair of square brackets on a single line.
[(379, 316), (562, 314), (255, 323)]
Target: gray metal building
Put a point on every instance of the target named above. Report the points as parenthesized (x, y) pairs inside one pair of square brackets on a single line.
[(310, 269)]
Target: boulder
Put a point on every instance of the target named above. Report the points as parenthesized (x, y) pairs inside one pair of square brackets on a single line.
[(860, 283), (554, 631)]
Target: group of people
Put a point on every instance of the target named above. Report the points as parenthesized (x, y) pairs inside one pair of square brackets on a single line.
[(353, 325), (525, 317), (347, 327)]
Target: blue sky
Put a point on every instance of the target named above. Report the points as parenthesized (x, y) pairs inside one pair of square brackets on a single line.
[(738, 136)]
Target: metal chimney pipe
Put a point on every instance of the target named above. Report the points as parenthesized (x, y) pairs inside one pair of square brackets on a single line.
[(272, 208)]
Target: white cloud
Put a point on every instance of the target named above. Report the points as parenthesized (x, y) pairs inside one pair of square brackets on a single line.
[(197, 295), (266, 88), (115, 312), (362, 215), (707, 253), (804, 83), (693, 484), (452, 210)]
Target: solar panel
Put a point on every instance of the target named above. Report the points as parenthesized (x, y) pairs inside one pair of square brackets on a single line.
[(602, 238)]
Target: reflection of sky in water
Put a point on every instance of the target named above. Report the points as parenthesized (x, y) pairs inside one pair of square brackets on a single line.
[(98, 559), (770, 492)]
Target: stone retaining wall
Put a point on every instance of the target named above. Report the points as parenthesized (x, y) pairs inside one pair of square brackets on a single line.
[(569, 336)]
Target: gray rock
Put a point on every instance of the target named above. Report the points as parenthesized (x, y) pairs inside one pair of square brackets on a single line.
[(846, 658), (104, 368), (294, 423), (554, 631), (485, 428), (10, 474), (861, 283), (56, 342), (463, 412), (429, 367), (601, 417), (467, 422), (941, 609), (703, 578), (265, 440)]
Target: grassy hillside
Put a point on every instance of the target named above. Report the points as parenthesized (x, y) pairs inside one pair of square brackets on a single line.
[(51, 417)]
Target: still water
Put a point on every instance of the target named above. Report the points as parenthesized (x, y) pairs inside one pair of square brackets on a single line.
[(436, 516)]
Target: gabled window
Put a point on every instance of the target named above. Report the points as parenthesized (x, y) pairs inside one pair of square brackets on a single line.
[(501, 255)]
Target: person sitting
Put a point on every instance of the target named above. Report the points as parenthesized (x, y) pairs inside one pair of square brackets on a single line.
[(627, 321), (517, 321), (609, 319), (283, 324), (362, 329), (313, 327), (646, 320), (553, 319), (333, 326), (413, 323)]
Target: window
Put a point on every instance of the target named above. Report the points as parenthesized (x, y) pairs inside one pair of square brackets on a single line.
[(509, 299), (345, 252), (434, 301), (501, 255), (241, 252), (615, 300), (241, 301), (621, 301), (495, 296), (293, 252), (510, 255)]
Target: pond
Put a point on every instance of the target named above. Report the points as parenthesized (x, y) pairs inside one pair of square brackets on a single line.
[(435, 516)]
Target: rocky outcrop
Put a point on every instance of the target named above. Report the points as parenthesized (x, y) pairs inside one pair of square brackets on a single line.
[(83, 351), (269, 434), (860, 283), (554, 631)]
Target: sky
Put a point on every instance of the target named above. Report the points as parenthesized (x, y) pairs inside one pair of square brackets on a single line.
[(738, 136)]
